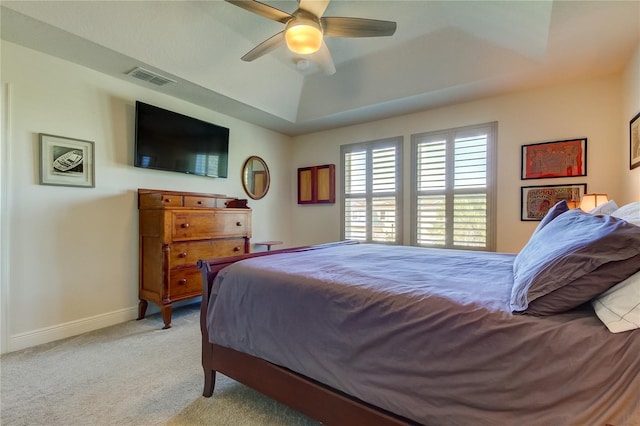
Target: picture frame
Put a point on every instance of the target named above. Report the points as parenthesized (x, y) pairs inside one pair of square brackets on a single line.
[(66, 161), (535, 201), (565, 158), (317, 184), (634, 142)]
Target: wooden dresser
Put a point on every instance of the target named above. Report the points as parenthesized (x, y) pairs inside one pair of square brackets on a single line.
[(177, 229)]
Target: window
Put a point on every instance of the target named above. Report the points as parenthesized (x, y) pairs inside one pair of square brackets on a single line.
[(372, 191), (453, 185)]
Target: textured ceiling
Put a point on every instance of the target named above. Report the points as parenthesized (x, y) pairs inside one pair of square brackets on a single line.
[(442, 52)]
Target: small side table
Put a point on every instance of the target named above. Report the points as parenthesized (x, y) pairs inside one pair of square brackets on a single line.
[(268, 244)]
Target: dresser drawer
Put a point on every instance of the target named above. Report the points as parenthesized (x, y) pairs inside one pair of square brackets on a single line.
[(196, 225), (159, 200), (188, 254), (193, 201), (184, 281)]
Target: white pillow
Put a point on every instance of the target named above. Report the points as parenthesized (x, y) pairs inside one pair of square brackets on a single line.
[(619, 307), (606, 208), (629, 212)]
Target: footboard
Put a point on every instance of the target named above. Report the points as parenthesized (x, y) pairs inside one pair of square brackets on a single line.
[(210, 269), (298, 392)]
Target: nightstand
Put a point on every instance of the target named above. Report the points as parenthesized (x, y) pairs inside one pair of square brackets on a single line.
[(268, 244)]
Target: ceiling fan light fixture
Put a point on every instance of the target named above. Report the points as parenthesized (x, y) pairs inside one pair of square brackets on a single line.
[(305, 29), (303, 36)]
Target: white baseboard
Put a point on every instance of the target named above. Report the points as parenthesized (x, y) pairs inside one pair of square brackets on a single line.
[(69, 329)]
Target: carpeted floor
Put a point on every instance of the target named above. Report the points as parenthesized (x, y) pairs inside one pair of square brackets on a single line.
[(129, 374)]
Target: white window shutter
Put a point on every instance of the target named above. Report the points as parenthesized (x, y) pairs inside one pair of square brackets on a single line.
[(372, 191), (453, 186)]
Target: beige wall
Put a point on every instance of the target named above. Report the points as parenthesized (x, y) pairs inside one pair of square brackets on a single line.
[(591, 109), (70, 255), (631, 93)]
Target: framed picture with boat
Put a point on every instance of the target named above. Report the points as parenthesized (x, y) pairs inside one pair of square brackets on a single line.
[(66, 161)]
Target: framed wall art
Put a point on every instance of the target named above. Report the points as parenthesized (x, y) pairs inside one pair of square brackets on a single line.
[(66, 161), (316, 184), (566, 158), (536, 201), (634, 142)]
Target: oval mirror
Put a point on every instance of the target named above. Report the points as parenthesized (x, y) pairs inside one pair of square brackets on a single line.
[(255, 177)]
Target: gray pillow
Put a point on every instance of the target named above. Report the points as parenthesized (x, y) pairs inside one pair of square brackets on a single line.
[(585, 288), (564, 253)]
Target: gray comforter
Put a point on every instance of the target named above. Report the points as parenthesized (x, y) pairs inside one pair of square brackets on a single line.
[(427, 334)]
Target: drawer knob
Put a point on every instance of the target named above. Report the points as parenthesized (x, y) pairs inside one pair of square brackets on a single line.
[(182, 255), (167, 200), (185, 225), (199, 201), (182, 281), (238, 223), (236, 249)]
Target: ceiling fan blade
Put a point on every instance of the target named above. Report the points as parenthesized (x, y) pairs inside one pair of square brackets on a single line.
[(336, 26), (265, 47), (324, 60), (316, 7), (262, 9)]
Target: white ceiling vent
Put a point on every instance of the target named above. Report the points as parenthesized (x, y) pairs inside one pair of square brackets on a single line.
[(150, 76)]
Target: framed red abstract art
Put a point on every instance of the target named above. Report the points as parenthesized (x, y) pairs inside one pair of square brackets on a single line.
[(566, 158), (634, 142)]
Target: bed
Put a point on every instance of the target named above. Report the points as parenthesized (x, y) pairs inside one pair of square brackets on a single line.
[(374, 334)]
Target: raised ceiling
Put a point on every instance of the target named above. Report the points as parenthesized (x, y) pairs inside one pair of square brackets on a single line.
[(443, 52)]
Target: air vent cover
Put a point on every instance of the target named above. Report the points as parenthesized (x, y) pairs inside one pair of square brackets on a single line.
[(149, 76)]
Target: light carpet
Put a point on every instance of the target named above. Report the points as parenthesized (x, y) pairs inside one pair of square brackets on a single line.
[(133, 373)]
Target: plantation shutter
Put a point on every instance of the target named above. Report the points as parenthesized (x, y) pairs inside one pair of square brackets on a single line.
[(452, 180), (372, 191)]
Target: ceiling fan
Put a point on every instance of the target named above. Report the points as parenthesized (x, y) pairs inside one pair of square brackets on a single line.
[(305, 28)]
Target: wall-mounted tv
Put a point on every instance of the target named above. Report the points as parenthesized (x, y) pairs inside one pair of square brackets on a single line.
[(166, 140)]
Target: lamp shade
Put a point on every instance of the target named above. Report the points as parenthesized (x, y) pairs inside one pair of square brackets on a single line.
[(591, 201), (303, 36)]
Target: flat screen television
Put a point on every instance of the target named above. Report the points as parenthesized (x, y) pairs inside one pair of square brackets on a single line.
[(166, 140)]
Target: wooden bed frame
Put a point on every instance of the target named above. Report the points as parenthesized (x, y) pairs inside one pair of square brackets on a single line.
[(301, 393)]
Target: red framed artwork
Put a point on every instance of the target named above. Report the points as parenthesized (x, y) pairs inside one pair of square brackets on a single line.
[(567, 158), (634, 142)]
